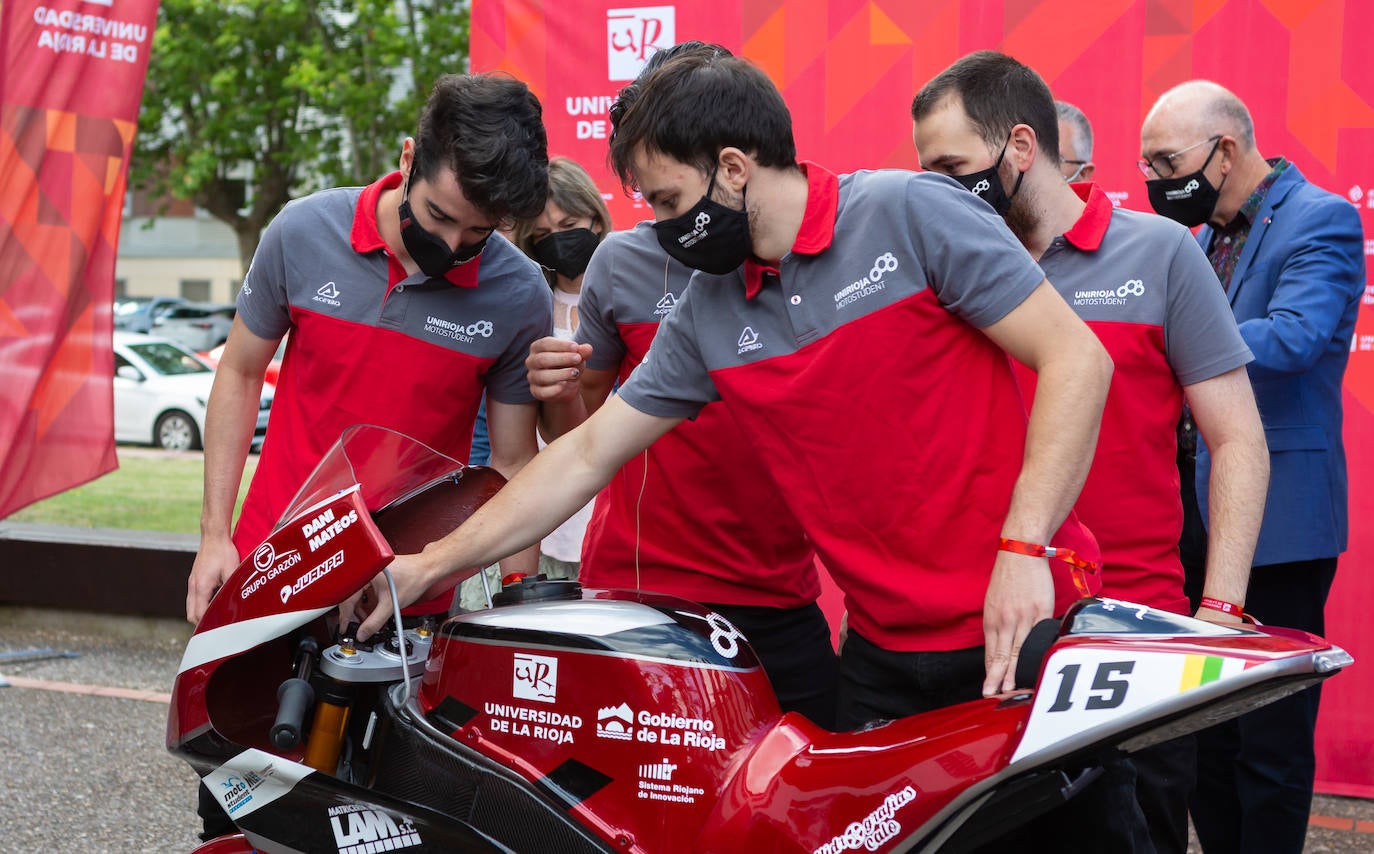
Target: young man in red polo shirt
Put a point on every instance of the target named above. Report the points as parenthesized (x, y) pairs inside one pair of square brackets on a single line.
[(858, 330), (696, 515), (1145, 288), (402, 306)]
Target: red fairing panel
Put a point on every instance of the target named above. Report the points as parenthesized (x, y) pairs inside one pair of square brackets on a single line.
[(658, 736), (805, 789), (307, 567)]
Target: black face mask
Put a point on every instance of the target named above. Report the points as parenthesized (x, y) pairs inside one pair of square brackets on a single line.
[(710, 237), (1189, 199), (987, 184), (566, 252), (429, 252)]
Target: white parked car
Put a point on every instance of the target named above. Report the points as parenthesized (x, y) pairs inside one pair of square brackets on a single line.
[(197, 325), (160, 392)]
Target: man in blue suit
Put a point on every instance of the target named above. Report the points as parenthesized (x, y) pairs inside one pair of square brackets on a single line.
[(1290, 257)]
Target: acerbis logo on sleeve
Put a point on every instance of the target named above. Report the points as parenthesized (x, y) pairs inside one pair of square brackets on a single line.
[(1109, 296), (870, 284)]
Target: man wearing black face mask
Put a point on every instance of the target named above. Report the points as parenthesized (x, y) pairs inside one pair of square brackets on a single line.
[(696, 515), (1289, 258), (1140, 282), (867, 309), (402, 308)]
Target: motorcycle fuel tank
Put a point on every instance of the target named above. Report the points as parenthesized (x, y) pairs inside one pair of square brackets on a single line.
[(627, 707)]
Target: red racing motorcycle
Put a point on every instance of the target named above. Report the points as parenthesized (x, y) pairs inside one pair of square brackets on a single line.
[(564, 719)]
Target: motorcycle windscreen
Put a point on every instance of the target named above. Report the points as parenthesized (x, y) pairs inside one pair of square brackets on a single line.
[(414, 493)]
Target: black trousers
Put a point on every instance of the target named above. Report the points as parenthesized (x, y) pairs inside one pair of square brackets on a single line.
[(1166, 775), (881, 685), (794, 646), (1255, 773)]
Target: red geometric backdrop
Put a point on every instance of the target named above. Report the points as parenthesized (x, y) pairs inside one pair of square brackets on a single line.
[(849, 68), (71, 77)]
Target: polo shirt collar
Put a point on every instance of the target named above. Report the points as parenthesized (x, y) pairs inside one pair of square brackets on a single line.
[(366, 236), (817, 225), (1087, 233)]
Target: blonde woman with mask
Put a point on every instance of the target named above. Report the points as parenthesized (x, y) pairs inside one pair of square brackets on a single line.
[(562, 239)]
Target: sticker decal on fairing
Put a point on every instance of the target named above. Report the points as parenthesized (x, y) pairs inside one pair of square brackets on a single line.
[(536, 678), (1086, 687), (252, 780), (362, 829), (877, 828), (656, 784)]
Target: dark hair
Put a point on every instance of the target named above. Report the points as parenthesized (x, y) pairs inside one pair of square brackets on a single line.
[(697, 103), (627, 96), (998, 93), (489, 129)]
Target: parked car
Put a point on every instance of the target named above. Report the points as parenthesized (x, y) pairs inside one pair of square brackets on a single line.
[(273, 367), (196, 325), (137, 314), (160, 392)]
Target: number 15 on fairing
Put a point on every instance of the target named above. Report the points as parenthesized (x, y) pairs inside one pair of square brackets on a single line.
[(1092, 687)]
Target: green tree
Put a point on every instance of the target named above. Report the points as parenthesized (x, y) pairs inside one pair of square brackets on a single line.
[(250, 103)]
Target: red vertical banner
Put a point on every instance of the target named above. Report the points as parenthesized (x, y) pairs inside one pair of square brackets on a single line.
[(849, 69), (71, 79)]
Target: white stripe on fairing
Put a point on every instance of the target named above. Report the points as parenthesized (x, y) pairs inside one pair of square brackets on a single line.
[(238, 637), (254, 779)]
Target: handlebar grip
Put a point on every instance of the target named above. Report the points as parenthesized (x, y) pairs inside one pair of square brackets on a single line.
[(294, 698)]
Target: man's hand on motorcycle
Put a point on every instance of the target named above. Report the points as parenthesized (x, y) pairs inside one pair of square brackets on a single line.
[(409, 574), (215, 561), (553, 368), (1020, 594)]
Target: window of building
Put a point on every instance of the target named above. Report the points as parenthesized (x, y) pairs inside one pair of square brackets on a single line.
[(195, 290)]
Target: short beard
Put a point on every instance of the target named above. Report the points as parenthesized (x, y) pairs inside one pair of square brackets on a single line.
[(1020, 217)]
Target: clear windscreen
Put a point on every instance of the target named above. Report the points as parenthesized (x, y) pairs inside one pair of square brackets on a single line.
[(386, 466)]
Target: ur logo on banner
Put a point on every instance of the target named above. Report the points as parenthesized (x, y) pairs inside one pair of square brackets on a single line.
[(633, 35)]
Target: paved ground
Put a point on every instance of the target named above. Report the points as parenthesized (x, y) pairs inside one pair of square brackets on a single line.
[(88, 773)]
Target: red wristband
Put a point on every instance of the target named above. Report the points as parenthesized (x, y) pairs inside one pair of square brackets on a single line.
[(1081, 566), (1224, 607)]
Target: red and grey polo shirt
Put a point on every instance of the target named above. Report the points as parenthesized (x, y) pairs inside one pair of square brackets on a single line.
[(888, 422), (372, 345), (1145, 287), (696, 514)]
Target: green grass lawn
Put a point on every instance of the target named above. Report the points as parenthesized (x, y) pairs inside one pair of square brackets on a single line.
[(146, 493)]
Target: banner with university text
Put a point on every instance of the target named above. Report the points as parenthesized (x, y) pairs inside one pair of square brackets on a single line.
[(849, 68), (71, 79)]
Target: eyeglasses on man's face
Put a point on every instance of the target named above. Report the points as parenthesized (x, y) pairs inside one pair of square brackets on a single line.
[(1072, 176), (1163, 165)]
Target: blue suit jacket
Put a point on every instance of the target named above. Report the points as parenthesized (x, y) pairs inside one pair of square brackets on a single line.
[(1295, 292)]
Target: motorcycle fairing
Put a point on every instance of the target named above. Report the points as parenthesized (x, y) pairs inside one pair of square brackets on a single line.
[(1192, 674), (282, 806), (625, 707), (303, 570), (860, 790), (1103, 677), (756, 780)]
